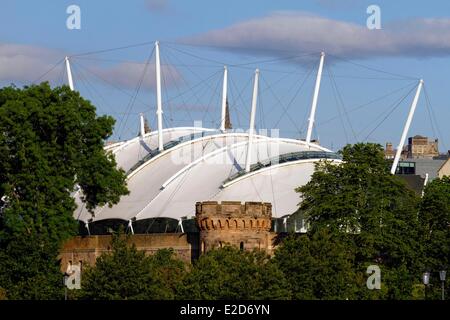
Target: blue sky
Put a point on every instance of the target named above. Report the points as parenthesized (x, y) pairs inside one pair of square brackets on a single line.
[(414, 41)]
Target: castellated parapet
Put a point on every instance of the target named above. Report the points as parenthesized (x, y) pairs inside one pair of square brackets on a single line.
[(244, 225)]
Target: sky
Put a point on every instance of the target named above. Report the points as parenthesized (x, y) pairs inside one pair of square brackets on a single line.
[(368, 82)]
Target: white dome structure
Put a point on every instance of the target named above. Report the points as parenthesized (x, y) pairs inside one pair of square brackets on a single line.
[(211, 168), (171, 169)]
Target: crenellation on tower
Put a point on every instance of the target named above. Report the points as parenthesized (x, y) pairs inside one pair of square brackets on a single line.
[(244, 225)]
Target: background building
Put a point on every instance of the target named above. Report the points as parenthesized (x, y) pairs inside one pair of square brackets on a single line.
[(444, 170), (421, 147), (420, 161)]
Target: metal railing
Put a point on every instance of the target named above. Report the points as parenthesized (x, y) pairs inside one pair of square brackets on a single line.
[(283, 158), (169, 145)]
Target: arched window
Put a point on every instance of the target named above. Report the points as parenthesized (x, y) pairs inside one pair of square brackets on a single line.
[(241, 246)]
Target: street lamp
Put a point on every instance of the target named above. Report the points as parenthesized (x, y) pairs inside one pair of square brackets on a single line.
[(65, 278), (442, 275), (426, 281)]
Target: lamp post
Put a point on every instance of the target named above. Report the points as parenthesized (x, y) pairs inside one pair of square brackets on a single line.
[(442, 275), (426, 281), (65, 277)]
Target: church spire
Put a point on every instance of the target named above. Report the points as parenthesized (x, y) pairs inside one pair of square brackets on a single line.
[(228, 124)]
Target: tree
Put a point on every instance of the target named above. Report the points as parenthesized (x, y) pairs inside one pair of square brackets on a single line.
[(51, 141), (371, 211), (318, 266), (229, 273), (128, 274), (435, 219)]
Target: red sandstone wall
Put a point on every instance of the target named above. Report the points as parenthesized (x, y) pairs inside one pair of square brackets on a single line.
[(87, 249)]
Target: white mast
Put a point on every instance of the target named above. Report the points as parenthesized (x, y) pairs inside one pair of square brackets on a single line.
[(224, 99), (69, 73), (159, 111), (142, 125), (425, 183), (130, 225), (406, 128), (315, 97), (252, 122), (180, 223)]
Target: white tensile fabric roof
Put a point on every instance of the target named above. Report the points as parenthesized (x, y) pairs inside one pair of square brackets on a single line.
[(275, 184), (145, 181), (168, 184), (204, 179), (132, 151)]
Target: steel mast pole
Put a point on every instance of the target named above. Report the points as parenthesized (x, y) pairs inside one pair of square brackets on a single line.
[(159, 111), (252, 122), (406, 128), (315, 97), (142, 125), (69, 73)]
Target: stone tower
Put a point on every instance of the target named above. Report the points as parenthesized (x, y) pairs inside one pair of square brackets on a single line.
[(246, 226)]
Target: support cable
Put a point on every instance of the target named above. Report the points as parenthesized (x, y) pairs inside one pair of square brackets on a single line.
[(130, 105), (389, 114), (340, 100), (429, 106), (48, 71)]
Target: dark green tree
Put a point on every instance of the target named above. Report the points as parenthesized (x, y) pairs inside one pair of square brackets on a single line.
[(435, 219), (51, 141), (318, 266), (372, 212), (229, 273), (128, 274)]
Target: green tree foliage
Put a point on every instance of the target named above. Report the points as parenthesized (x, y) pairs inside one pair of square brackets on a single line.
[(435, 220), (318, 266), (28, 270), (229, 273), (372, 212), (128, 274), (50, 142)]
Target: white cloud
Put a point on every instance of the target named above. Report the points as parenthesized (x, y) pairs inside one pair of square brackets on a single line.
[(25, 63), (128, 75), (303, 32), (340, 4), (157, 5)]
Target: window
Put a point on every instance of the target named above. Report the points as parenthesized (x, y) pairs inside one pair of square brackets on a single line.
[(241, 246), (405, 167)]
